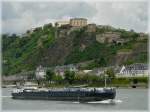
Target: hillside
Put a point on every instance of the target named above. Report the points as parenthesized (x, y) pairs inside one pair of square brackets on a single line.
[(51, 46)]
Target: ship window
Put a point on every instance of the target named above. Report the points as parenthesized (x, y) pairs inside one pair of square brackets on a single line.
[(63, 94), (54, 93), (67, 94), (83, 93), (51, 93), (58, 93), (72, 94)]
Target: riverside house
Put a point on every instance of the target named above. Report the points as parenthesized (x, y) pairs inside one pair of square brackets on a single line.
[(40, 72), (60, 70), (134, 70), (98, 71)]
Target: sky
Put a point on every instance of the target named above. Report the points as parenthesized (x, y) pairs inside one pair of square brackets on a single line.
[(17, 17)]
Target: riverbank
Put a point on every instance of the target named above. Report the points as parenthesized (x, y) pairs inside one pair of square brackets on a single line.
[(62, 86), (123, 82)]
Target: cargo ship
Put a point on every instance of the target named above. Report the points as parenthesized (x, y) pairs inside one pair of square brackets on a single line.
[(65, 94)]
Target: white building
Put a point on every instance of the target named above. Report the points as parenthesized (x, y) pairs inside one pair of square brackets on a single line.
[(86, 71), (61, 23), (134, 70), (78, 22), (40, 72), (98, 71), (60, 70)]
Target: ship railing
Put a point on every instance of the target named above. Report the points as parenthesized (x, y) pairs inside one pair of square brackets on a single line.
[(110, 89), (30, 88), (43, 89)]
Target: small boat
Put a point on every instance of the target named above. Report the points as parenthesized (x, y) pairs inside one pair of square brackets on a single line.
[(65, 94)]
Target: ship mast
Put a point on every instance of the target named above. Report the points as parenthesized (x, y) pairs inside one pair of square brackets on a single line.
[(105, 80)]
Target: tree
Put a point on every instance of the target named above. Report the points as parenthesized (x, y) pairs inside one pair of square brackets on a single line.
[(128, 62), (56, 24), (102, 62), (86, 78), (46, 26), (58, 78), (94, 78), (13, 35), (110, 73), (69, 76), (134, 36), (49, 75)]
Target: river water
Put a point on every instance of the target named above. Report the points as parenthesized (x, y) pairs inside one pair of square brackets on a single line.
[(126, 99)]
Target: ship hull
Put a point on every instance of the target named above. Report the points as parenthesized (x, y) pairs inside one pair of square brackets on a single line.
[(66, 96)]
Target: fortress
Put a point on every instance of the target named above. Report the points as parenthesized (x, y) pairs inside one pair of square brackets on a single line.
[(78, 22), (74, 22)]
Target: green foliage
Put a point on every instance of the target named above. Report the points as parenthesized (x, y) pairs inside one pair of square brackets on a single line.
[(50, 75), (93, 51), (23, 53), (129, 34), (79, 34), (47, 26), (121, 81), (27, 52), (100, 62), (103, 30), (110, 73), (128, 62), (125, 50), (142, 57), (69, 76), (58, 79), (79, 77), (140, 79), (129, 80)]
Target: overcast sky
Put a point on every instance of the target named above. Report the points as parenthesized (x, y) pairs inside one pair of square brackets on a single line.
[(17, 17)]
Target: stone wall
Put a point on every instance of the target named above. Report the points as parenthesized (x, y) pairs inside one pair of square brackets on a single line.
[(91, 28), (108, 37)]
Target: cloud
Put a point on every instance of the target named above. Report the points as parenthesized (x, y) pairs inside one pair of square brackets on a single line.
[(24, 15), (17, 17), (129, 15)]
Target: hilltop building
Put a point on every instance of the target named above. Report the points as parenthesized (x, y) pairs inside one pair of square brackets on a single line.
[(78, 22), (61, 23), (74, 22), (91, 28), (142, 36), (106, 27)]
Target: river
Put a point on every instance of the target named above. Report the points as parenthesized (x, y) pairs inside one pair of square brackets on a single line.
[(126, 99)]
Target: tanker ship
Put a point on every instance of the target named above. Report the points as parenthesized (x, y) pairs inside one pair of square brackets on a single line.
[(65, 94)]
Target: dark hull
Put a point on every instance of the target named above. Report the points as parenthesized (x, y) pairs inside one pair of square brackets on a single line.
[(61, 96)]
